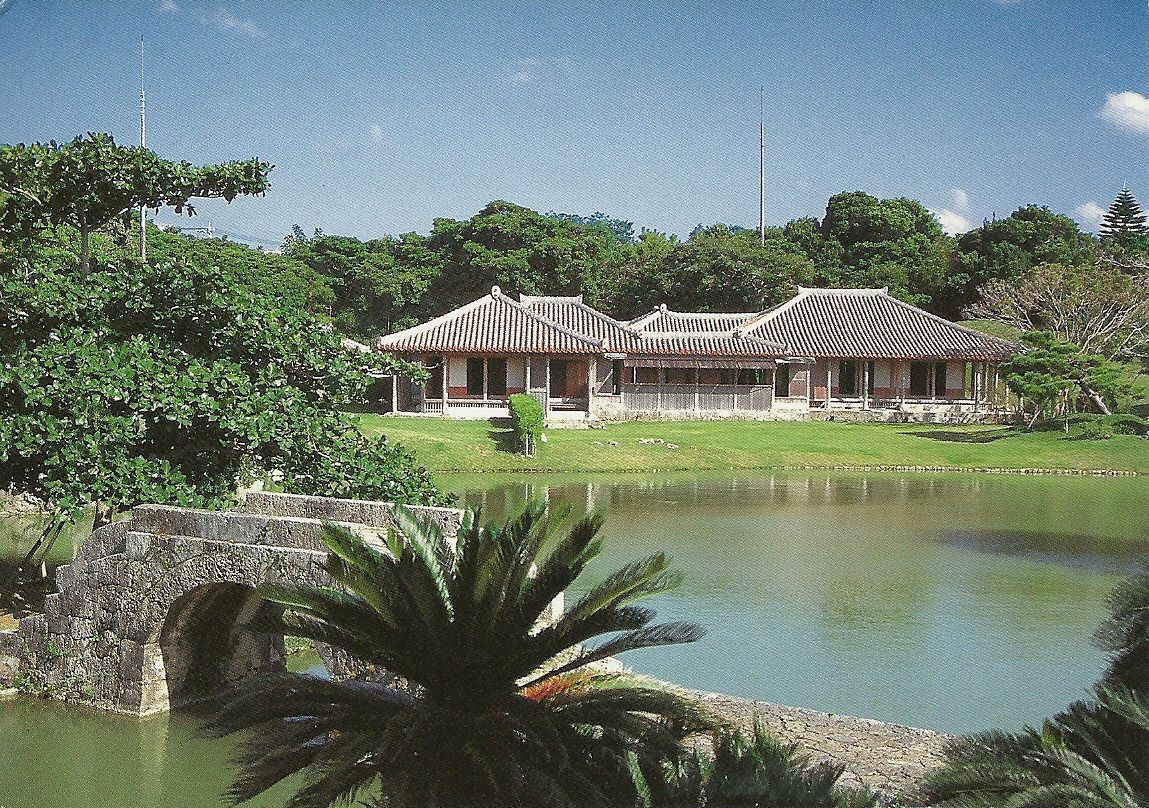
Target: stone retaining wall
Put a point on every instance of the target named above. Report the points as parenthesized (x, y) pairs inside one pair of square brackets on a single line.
[(889, 758)]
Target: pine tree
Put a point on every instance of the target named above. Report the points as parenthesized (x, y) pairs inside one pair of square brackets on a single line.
[(1123, 217)]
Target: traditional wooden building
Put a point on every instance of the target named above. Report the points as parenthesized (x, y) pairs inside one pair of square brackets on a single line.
[(824, 351)]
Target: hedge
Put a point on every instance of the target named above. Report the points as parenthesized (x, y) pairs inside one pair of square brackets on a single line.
[(527, 415)]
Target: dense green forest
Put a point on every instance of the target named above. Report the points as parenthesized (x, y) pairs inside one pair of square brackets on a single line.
[(384, 284), (1032, 272)]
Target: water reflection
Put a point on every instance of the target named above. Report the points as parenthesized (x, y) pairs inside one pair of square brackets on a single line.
[(868, 593)]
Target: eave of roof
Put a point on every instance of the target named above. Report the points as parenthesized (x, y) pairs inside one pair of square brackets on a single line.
[(869, 323)]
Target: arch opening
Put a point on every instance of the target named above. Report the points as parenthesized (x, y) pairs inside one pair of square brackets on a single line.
[(210, 642)]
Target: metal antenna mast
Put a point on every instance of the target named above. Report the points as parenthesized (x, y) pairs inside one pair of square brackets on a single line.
[(761, 169), (143, 145)]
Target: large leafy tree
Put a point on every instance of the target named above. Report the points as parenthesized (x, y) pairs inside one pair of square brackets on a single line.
[(883, 242), (1007, 249), (126, 383), (722, 269), (504, 710), (380, 285), (1099, 309), (90, 181), (520, 250)]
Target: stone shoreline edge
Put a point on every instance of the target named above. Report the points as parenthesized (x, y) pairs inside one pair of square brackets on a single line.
[(892, 759)]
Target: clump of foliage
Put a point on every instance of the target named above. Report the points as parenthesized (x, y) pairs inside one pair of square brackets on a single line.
[(528, 416), (759, 771), (1095, 753), (1055, 377), (505, 710), (90, 181), (124, 383)]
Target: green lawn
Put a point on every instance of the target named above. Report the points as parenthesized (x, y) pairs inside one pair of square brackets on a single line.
[(479, 446)]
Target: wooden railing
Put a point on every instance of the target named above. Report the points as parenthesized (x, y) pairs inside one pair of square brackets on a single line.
[(716, 397)]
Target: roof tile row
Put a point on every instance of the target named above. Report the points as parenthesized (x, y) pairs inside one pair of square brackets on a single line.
[(863, 323)]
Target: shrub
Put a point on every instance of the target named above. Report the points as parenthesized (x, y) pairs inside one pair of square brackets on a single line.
[(527, 415)]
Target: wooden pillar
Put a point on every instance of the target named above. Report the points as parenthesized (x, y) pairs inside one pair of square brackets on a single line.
[(547, 397), (975, 372), (395, 392), (830, 363), (527, 375), (865, 384), (591, 380), (485, 360), (658, 389), (696, 401), (445, 380)]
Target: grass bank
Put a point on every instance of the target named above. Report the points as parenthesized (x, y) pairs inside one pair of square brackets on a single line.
[(483, 446)]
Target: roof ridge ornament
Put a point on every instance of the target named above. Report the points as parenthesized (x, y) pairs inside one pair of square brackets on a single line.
[(496, 291)]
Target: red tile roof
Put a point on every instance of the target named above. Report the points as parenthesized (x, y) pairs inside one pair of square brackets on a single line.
[(492, 324), (869, 323), (817, 322)]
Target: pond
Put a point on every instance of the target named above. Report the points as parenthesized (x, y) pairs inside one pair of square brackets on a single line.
[(958, 602), (953, 601)]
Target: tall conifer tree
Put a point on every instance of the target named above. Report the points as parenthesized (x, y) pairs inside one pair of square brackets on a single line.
[(1123, 217)]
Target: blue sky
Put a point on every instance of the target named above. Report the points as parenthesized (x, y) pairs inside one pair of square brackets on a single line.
[(380, 117)]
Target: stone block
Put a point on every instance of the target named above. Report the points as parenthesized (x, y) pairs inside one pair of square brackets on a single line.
[(137, 544), (106, 541), (9, 669)]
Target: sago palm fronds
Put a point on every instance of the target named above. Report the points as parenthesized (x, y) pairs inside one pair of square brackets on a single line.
[(505, 711)]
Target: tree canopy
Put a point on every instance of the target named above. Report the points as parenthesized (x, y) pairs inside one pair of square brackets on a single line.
[(89, 181), (128, 383)]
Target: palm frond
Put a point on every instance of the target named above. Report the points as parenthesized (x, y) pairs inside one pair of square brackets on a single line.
[(663, 634), (649, 576)]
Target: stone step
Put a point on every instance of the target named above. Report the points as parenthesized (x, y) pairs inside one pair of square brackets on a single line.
[(229, 526), (372, 514)]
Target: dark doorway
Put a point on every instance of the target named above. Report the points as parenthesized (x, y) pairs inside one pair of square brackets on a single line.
[(474, 376), (496, 378)]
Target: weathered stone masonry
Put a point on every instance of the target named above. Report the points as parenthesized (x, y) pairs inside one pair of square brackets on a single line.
[(140, 615)]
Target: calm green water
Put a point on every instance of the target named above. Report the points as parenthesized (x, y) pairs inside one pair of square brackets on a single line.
[(958, 602)]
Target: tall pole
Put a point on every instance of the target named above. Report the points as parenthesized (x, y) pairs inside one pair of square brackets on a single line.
[(143, 145), (761, 170)]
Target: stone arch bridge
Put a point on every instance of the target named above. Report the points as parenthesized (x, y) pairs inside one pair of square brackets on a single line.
[(152, 612)]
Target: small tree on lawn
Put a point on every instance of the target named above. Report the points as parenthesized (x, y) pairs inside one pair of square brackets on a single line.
[(1052, 374), (528, 417)]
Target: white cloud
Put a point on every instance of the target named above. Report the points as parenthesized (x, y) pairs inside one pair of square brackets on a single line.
[(1128, 111), (960, 200), (168, 7), (955, 220), (233, 24), (952, 222), (377, 133), (1089, 214), (526, 71)]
